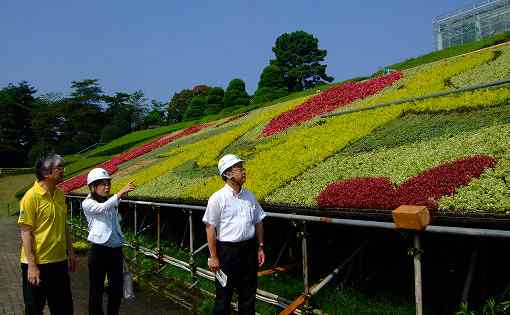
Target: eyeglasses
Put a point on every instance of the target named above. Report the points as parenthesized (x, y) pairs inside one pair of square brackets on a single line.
[(238, 167), (60, 168), (104, 182)]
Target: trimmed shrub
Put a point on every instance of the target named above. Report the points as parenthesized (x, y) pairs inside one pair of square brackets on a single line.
[(236, 94), (271, 85), (196, 108)]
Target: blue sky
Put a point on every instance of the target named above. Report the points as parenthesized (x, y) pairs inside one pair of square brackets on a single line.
[(163, 46)]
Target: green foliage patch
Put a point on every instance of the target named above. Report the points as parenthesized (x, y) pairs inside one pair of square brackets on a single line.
[(496, 69), (420, 127), (82, 164)]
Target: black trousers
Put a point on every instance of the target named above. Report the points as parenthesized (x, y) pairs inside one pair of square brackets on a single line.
[(239, 262), (105, 262), (55, 288)]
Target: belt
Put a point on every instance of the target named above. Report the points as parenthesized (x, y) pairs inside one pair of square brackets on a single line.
[(237, 244)]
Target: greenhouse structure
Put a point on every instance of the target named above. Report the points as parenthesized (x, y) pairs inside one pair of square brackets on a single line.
[(468, 24)]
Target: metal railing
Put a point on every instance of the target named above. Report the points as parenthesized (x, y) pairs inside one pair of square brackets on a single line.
[(308, 290), (189, 266), (15, 171), (89, 147)]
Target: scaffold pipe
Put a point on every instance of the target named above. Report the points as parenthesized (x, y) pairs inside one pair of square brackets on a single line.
[(348, 222)]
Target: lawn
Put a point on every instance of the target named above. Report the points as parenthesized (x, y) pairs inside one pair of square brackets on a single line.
[(9, 185)]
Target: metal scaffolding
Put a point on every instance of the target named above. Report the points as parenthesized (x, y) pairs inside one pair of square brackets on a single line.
[(483, 19), (300, 304)]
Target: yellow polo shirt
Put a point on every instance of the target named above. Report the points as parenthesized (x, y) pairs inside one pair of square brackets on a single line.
[(47, 214)]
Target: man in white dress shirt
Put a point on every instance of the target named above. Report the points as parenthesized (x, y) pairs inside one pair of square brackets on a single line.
[(235, 236)]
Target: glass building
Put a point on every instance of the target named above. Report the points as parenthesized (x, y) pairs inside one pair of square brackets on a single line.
[(481, 20)]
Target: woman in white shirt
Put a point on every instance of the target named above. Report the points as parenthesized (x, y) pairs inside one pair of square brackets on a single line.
[(105, 256)]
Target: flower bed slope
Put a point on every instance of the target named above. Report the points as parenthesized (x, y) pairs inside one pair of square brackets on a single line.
[(204, 152), (424, 80), (397, 163), (328, 101), (424, 189), (489, 193), (278, 164), (497, 69), (111, 165)]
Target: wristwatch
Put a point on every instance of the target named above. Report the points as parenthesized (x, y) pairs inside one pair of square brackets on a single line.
[(261, 244)]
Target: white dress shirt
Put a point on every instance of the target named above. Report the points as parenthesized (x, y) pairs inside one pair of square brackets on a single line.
[(233, 215), (99, 217)]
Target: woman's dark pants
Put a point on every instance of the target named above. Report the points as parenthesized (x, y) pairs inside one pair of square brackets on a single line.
[(105, 262)]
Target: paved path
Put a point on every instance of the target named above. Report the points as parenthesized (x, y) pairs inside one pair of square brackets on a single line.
[(11, 296)]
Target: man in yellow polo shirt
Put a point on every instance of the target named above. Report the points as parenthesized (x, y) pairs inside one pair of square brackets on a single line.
[(46, 243)]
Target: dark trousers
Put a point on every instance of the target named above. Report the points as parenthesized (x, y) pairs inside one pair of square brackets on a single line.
[(55, 288), (239, 262), (105, 262)]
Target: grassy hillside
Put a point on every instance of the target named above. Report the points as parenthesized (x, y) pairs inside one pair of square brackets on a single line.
[(450, 152), (450, 52), (9, 185)]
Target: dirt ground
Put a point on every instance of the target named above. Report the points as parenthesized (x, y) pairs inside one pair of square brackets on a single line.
[(11, 301)]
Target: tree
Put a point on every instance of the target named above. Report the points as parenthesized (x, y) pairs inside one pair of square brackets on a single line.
[(160, 108), (119, 115), (138, 108), (153, 118), (201, 90), (214, 101), (178, 105), (271, 85), (236, 94), (298, 56), (180, 102), (80, 125), (47, 126), (111, 132), (196, 108), (16, 138), (125, 113), (156, 117), (81, 117), (87, 91)]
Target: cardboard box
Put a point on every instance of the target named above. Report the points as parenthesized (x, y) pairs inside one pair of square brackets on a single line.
[(411, 217)]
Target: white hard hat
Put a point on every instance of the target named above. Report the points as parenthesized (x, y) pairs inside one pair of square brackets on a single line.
[(227, 161), (97, 174)]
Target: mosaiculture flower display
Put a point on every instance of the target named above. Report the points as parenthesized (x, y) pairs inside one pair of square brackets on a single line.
[(496, 69), (328, 101), (292, 153), (423, 189), (111, 165)]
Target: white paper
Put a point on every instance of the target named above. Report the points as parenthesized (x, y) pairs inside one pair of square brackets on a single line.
[(222, 277)]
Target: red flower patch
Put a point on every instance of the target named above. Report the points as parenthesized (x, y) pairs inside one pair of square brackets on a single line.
[(328, 101), (425, 188), (364, 193), (428, 187), (111, 165)]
